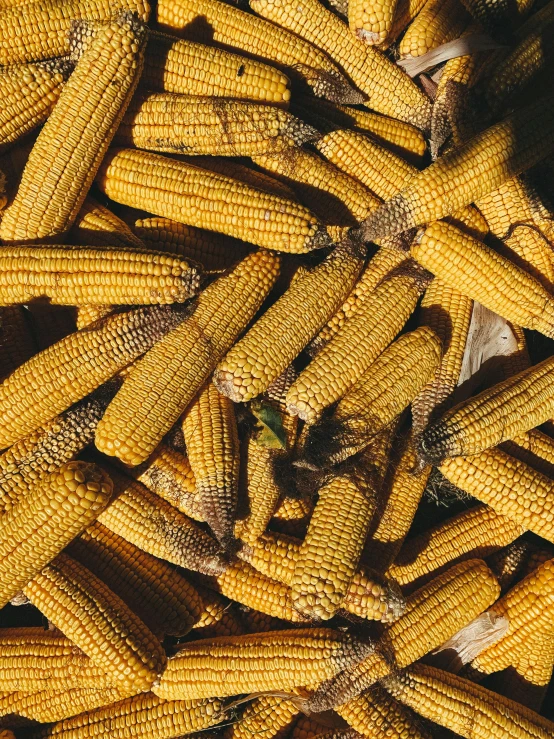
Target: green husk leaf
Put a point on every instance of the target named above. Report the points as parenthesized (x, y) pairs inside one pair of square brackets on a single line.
[(270, 432)]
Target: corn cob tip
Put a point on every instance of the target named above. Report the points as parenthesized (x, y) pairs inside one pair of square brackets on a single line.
[(396, 601), (82, 31), (433, 444), (319, 239), (332, 86), (300, 132), (390, 219)]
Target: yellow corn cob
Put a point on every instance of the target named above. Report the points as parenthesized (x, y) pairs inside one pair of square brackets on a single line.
[(508, 486), (498, 17), (160, 597), (16, 339), (98, 622), (371, 22), (211, 436), (178, 366), (156, 527), (195, 196), (433, 614), (265, 718), (448, 313), (95, 225), (34, 660), (77, 275), (480, 273), (145, 715), (527, 682), (307, 727), (440, 21), (177, 124), (60, 170), (509, 408), (89, 314), (217, 618), (375, 714), (474, 533), (388, 88), (292, 515), (369, 595), (508, 563), (29, 93), (29, 461), (378, 397), (406, 11), (236, 30), (256, 361), (400, 495), (33, 533), (467, 173), (355, 346), (59, 376), (329, 555), (256, 662), (168, 474), (529, 248), (214, 251), (469, 710), (189, 68)]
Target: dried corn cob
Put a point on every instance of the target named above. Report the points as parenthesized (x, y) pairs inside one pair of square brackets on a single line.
[(95, 225), (148, 716), (292, 515), (440, 21), (371, 22), (484, 275), (154, 526), (29, 93), (240, 31), (29, 461), (508, 563), (59, 376), (498, 17), (355, 346), (181, 363), (475, 533), (98, 622), (89, 314), (508, 486), (307, 727), (218, 616), (468, 709), (265, 718), (160, 597), (527, 682), (434, 613), (467, 173), (192, 195), (389, 89), (33, 533), (60, 170), (211, 436), (255, 662), (448, 313), (386, 388), (255, 361), (189, 68), (531, 250), (185, 124), (16, 339), (75, 275)]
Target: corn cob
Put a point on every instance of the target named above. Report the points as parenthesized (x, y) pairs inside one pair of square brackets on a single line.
[(347, 356), (307, 727), (214, 251), (378, 716), (59, 170), (498, 17), (265, 718), (527, 682), (475, 533), (160, 597), (277, 660), (76, 275), (528, 248), (29, 461), (98, 622), (189, 68), (401, 493), (191, 195), (145, 715), (29, 93), (467, 173), (156, 527), (470, 710), (32, 533), (176, 124), (507, 564), (371, 22), (386, 388), (448, 313), (89, 314), (236, 30), (440, 21), (16, 339), (255, 361), (508, 486), (218, 616), (178, 366), (292, 516), (433, 614), (95, 225), (388, 88), (61, 375)]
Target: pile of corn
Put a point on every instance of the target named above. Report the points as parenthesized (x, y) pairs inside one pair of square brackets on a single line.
[(261, 294)]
